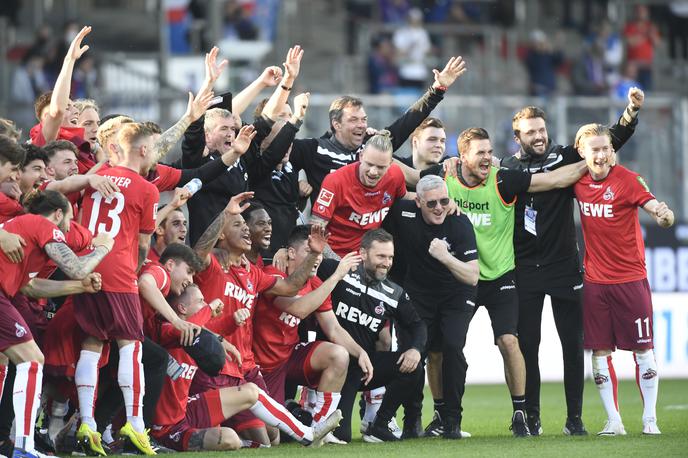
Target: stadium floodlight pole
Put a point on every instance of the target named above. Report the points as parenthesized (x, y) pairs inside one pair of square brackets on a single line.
[(164, 104), (215, 20)]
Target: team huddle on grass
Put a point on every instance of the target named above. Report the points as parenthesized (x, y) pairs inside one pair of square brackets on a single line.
[(130, 330)]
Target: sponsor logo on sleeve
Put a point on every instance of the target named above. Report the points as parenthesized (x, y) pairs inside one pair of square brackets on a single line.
[(325, 197), (58, 236)]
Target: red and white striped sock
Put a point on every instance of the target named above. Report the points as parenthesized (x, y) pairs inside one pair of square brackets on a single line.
[(607, 385), (325, 404), (132, 383), (648, 381), (86, 379), (274, 414), (26, 399), (373, 399), (3, 377)]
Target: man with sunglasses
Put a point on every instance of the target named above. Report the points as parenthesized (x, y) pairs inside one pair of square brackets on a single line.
[(487, 195), (441, 282)]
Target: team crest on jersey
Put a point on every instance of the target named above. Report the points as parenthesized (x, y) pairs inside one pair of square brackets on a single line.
[(58, 236), (20, 331), (249, 285), (386, 198), (325, 197), (608, 194), (380, 309)]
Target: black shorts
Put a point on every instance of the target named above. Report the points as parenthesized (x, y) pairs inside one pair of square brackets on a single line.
[(500, 298), (434, 310)]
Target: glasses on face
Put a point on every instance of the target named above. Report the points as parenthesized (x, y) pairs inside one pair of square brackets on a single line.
[(433, 203)]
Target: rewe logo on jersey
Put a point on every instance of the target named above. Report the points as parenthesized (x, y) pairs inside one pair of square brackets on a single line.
[(240, 294), (289, 320), (369, 218), (596, 210), (480, 219), (357, 316)]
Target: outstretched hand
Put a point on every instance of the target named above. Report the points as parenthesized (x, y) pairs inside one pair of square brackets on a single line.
[(75, 49), (454, 69), (318, 239), (271, 76), (292, 64), (213, 70), (235, 206), (243, 139), (636, 97), (198, 105)]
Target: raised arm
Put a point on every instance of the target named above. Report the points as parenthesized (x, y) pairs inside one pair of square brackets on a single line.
[(269, 78), (77, 183), (291, 285), (328, 253), (60, 98), (76, 267), (660, 212), (278, 99), (303, 306), (465, 272), (181, 195), (563, 177)]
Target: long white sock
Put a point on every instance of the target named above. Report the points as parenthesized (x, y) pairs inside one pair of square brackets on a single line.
[(605, 379), (86, 379), (26, 399), (373, 399), (274, 414), (132, 383), (648, 381), (325, 404)]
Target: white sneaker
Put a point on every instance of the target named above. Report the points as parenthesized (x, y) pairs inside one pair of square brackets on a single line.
[(332, 439), (650, 426), (465, 434), (613, 428), (393, 426), (320, 430)]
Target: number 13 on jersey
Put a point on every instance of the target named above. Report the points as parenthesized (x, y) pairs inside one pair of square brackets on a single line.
[(102, 222)]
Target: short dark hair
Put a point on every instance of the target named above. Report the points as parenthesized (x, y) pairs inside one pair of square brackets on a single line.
[(299, 235), (54, 146), (337, 108), (472, 133), (254, 207), (181, 253), (529, 112), (46, 202), (427, 122), (375, 235), (162, 221), (34, 153), (11, 151)]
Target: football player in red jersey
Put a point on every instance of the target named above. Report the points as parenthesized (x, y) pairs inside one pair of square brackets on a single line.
[(617, 302), (195, 423), (357, 197), (115, 312), (319, 365), (226, 277), (43, 234), (11, 158)]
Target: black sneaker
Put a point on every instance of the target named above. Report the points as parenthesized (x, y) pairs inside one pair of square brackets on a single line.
[(534, 425), (378, 432), (159, 448), (42, 442), (451, 429), (574, 427), (519, 427), (6, 447), (299, 412), (413, 428), (435, 428)]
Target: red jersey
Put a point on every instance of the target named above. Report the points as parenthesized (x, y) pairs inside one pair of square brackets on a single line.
[(171, 408), (124, 215), (153, 255), (85, 157), (237, 288), (37, 231), (276, 333), (151, 322), (164, 177), (614, 248), (9, 208), (74, 198), (353, 209)]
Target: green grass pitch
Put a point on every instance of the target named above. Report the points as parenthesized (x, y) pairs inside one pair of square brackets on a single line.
[(487, 414)]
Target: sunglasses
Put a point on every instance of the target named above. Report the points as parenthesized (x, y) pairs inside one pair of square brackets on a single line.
[(433, 203)]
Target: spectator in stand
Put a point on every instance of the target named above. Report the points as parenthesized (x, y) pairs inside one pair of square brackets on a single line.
[(412, 43), (587, 76), (641, 37), (609, 40), (678, 32), (542, 61), (383, 74), (394, 11), (238, 21), (29, 80), (627, 80), (85, 78)]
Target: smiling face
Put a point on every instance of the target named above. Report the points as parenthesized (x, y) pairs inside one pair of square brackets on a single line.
[(532, 136), (377, 260), (298, 254), (89, 120), (598, 153), (173, 229), (351, 130), (260, 227), (9, 171), (433, 197), (33, 174), (62, 164), (235, 237), (374, 165), (429, 145), (477, 160), (181, 275)]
